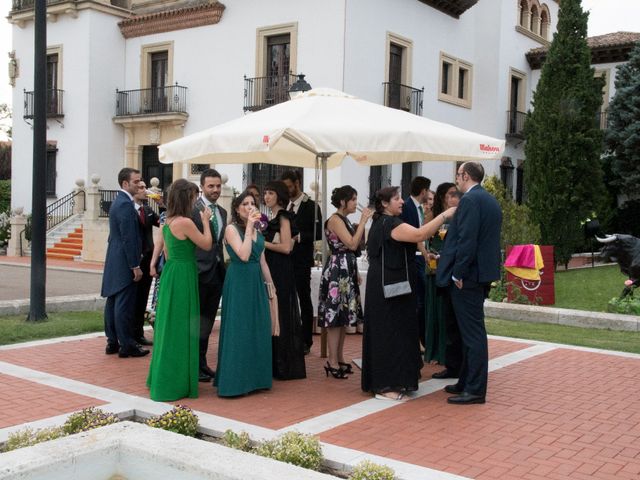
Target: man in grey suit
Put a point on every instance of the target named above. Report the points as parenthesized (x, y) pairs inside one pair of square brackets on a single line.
[(122, 268), (469, 262), (211, 268)]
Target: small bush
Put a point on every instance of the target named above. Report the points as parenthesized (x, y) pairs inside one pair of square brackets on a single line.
[(367, 470), (29, 437), (295, 448), (5, 195), (179, 419), (5, 228), (88, 419), (629, 305), (239, 441)]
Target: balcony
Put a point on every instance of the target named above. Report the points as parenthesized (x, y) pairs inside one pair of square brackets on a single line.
[(54, 104), (263, 92), (17, 5), (515, 124), (403, 97), (152, 104)]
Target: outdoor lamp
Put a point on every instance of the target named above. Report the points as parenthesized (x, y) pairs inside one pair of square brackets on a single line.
[(300, 86)]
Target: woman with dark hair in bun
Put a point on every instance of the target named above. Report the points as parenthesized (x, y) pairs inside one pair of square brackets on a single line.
[(391, 359), (288, 347), (339, 300)]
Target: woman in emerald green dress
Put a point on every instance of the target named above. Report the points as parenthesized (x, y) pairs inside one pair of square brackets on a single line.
[(244, 348), (173, 373)]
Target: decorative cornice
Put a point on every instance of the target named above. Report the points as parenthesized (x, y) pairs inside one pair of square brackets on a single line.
[(171, 20), (609, 48), (453, 8)]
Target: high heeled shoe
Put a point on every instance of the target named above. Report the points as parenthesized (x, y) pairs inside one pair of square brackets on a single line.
[(335, 372), (346, 367)]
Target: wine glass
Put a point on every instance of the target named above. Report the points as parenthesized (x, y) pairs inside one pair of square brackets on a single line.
[(442, 231)]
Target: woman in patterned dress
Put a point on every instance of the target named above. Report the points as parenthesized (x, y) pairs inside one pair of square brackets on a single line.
[(339, 299)]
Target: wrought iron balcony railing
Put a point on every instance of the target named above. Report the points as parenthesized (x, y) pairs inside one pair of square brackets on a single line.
[(515, 123), (403, 97), (263, 92), (150, 101), (54, 104), (17, 5)]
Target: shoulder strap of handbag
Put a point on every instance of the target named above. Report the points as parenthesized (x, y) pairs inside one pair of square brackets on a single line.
[(406, 266)]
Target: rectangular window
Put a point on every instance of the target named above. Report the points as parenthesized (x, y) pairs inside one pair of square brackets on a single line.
[(517, 103), (456, 80), (50, 170)]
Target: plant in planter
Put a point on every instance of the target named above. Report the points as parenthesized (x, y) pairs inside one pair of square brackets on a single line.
[(179, 419), (295, 448), (88, 419), (367, 470), (28, 437), (239, 441)]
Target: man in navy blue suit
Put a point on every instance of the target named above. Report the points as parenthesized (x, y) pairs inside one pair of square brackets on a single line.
[(413, 214), (469, 262), (122, 268)]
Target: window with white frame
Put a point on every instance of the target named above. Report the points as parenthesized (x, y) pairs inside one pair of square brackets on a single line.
[(456, 77)]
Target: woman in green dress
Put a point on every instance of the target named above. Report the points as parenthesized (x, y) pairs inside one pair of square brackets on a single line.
[(173, 373), (244, 348)]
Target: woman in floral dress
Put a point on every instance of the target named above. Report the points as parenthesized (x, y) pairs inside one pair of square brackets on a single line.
[(339, 299)]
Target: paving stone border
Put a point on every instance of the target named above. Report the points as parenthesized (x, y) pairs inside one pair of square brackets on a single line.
[(66, 303)]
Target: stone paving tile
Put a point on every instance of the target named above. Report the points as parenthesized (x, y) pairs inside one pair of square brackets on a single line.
[(22, 401), (289, 402), (564, 414)]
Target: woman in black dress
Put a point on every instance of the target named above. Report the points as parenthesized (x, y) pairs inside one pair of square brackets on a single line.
[(391, 359), (288, 347)]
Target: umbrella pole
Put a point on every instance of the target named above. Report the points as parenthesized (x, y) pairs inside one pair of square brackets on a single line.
[(323, 159)]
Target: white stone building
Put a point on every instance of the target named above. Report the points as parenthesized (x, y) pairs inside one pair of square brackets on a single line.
[(127, 75)]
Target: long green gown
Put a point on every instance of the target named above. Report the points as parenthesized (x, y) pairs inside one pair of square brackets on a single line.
[(173, 373), (244, 349)]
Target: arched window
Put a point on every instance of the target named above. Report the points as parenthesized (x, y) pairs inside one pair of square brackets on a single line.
[(545, 22), (535, 20), (524, 13)]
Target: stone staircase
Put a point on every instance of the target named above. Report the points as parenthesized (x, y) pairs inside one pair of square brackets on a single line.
[(65, 240)]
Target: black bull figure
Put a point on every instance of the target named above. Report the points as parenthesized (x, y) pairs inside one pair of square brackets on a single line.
[(624, 249)]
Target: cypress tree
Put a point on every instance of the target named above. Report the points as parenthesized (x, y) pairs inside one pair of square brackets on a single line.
[(563, 173), (622, 144)]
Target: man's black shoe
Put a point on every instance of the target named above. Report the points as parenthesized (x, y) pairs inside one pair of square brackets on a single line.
[(208, 371), (111, 349), (143, 341), (203, 377), (446, 373), (454, 389), (466, 399), (133, 352), (307, 350)]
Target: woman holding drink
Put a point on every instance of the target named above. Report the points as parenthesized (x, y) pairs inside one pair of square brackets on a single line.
[(244, 349)]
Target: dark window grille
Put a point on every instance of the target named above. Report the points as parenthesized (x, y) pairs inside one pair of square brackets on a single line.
[(515, 123), (147, 101), (263, 92), (409, 172), (261, 173), (54, 103), (50, 168), (403, 97), (107, 197), (197, 168), (506, 175)]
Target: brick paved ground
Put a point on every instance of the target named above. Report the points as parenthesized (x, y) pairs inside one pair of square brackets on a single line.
[(565, 413)]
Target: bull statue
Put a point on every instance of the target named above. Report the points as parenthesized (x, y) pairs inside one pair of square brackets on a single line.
[(624, 249)]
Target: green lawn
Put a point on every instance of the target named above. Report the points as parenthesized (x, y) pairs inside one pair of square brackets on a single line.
[(585, 337), (588, 288), (15, 328)]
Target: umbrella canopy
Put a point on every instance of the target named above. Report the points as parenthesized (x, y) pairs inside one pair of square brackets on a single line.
[(330, 124)]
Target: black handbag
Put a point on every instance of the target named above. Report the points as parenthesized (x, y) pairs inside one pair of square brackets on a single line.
[(396, 289)]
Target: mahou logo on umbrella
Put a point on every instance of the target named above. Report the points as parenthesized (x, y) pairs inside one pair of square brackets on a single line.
[(489, 148)]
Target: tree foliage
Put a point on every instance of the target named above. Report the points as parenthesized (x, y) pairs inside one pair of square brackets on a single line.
[(622, 144), (563, 173), (5, 114)]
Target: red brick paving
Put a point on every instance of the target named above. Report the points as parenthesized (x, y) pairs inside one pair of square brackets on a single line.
[(565, 414), (22, 401)]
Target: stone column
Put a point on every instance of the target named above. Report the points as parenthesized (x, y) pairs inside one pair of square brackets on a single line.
[(95, 229), (226, 195), (78, 206), (17, 242), (92, 198)]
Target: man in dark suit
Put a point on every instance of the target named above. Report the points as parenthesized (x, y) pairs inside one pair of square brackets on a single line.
[(307, 214), (413, 214), (469, 262), (211, 268), (122, 268), (147, 219)]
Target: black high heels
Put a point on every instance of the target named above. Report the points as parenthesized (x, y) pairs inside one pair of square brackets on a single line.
[(346, 367), (335, 372)]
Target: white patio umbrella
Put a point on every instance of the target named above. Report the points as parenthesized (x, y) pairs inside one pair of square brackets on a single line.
[(321, 127)]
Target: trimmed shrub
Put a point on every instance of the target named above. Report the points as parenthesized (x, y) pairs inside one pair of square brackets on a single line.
[(179, 419), (29, 437), (239, 441), (88, 419), (367, 470), (5, 195), (629, 305), (295, 448)]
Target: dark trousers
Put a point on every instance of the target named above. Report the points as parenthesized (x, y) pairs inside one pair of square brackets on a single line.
[(453, 349), (118, 314), (303, 287), (468, 304), (420, 293), (209, 302), (142, 295)]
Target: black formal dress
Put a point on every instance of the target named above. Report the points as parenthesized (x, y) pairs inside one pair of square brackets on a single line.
[(391, 358), (288, 347)]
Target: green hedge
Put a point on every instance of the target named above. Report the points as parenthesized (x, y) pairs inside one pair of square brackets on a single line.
[(5, 195)]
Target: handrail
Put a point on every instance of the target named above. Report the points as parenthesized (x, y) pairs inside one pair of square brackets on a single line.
[(515, 123), (263, 92), (150, 101), (61, 209), (403, 97), (54, 104)]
